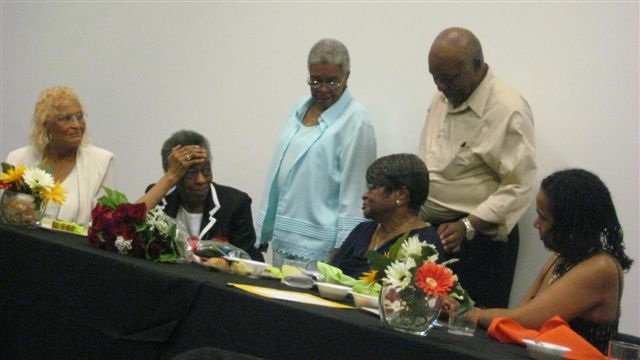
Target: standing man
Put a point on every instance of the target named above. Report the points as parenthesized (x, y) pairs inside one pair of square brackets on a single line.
[(478, 143)]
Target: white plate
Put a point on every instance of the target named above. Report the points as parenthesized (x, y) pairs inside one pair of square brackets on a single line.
[(333, 291), (545, 351), (256, 267), (362, 300), (49, 227), (371, 310)]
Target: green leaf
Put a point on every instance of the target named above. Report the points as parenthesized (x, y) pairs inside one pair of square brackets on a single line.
[(167, 258), (6, 167), (428, 251), (112, 198), (378, 261), (141, 227), (466, 303), (393, 250), (146, 249)]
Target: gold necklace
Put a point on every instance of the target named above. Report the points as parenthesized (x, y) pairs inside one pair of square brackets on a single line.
[(375, 244)]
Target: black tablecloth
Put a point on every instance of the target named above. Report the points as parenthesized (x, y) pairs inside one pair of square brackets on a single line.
[(62, 299)]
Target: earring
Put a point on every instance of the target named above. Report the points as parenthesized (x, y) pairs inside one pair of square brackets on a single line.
[(46, 138), (398, 202)]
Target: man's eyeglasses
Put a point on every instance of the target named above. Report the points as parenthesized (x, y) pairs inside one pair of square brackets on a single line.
[(317, 84), (68, 118)]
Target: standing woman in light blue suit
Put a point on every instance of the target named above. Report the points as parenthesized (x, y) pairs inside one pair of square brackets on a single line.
[(312, 196)]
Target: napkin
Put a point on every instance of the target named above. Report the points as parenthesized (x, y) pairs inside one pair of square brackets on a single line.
[(554, 331), (334, 275)]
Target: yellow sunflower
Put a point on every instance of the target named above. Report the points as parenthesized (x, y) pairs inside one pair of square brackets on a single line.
[(369, 277), (13, 175), (57, 193)]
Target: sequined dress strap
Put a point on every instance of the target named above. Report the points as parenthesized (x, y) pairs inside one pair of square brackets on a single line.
[(598, 334)]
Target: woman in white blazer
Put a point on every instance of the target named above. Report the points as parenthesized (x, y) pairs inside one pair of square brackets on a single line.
[(59, 145)]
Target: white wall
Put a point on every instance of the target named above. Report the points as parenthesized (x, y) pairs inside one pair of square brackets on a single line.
[(233, 70)]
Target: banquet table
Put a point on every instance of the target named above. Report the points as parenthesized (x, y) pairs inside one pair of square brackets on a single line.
[(60, 298)]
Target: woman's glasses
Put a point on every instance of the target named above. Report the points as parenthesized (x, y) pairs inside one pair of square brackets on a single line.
[(317, 84), (68, 118)]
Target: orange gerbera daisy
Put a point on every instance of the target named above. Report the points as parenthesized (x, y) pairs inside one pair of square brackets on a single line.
[(434, 279)]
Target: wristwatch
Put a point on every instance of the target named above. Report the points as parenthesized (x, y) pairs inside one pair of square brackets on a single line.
[(470, 231)]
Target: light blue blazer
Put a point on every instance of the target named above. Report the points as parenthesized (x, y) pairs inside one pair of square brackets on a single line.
[(320, 201)]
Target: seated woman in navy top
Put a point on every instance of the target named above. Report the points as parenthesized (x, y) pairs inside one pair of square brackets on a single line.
[(397, 186)]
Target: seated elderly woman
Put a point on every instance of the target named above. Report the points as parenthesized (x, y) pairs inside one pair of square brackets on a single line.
[(397, 185), (207, 209), (59, 145), (582, 281)]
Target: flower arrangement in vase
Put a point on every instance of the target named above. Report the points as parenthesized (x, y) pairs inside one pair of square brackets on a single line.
[(26, 193), (413, 285), (130, 229)]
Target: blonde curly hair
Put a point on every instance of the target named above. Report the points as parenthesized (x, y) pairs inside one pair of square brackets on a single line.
[(49, 103)]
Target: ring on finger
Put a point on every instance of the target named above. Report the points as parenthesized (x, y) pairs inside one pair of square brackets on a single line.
[(189, 157)]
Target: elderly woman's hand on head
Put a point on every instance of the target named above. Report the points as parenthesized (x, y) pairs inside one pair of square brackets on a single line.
[(183, 157)]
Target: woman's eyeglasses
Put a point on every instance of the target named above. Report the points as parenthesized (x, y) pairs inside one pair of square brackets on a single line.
[(317, 84), (68, 118)]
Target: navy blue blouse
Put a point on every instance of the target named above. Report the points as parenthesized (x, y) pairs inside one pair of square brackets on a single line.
[(351, 257)]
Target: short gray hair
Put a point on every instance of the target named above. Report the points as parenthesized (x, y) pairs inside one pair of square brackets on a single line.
[(182, 137), (330, 51)]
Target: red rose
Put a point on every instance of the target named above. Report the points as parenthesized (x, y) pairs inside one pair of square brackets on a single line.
[(123, 229), (130, 212), (99, 210), (101, 216), (137, 212)]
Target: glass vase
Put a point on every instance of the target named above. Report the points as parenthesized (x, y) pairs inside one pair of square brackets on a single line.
[(408, 310), (21, 209)]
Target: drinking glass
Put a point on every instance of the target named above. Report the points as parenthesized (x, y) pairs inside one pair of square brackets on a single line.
[(291, 267), (461, 324), (50, 214), (621, 350)]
